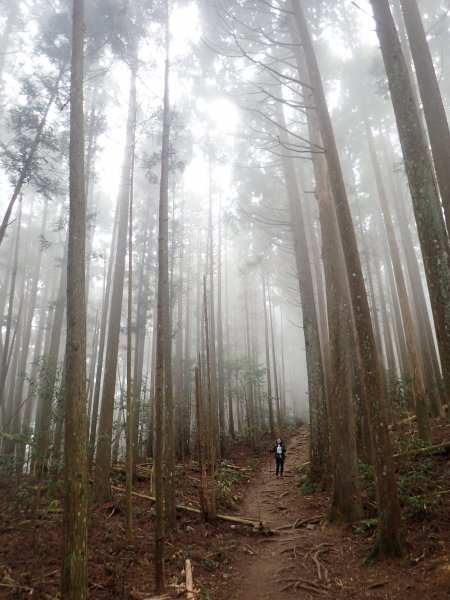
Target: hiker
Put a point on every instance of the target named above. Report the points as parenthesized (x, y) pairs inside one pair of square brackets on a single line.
[(280, 452)]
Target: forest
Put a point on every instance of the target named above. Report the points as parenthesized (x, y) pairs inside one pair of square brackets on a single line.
[(224, 222)]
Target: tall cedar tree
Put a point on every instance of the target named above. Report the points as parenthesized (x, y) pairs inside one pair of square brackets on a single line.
[(389, 540), (163, 394), (74, 560)]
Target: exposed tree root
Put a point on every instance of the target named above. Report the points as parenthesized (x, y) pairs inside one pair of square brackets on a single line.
[(299, 522), (314, 554), (305, 585)]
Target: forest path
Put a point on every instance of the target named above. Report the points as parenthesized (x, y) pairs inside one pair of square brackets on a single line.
[(285, 565)]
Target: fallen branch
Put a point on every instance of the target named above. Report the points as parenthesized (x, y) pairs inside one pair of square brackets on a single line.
[(377, 584), (410, 419), (427, 450), (402, 422), (16, 587), (305, 464), (256, 524), (235, 467)]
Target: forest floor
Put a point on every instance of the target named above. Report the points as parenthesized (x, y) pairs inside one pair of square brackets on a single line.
[(304, 557)]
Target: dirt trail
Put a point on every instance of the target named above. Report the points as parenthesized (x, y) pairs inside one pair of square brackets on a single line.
[(319, 559), (271, 567)]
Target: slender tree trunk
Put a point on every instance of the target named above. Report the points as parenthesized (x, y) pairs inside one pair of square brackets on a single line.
[(9, 322), (220, 355), (215, 423), (101, 346), (163, 394), (269, 380), (274, 363), (201, 443), (231, 428), (101, 488), (164, 286), (48, 376), (130, 411), (74, 559), (211, 430), (390, 355)]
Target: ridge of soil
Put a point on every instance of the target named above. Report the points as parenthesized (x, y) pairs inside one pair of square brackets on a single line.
[(232, 562)]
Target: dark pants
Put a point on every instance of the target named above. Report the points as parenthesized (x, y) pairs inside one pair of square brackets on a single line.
[(280, 463)]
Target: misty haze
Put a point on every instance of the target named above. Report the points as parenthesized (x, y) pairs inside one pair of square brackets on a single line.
[(225, 299)]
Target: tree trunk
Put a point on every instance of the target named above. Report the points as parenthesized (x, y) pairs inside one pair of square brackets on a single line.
[(389, 537), (319, 449), (165, 314), (163, 395), (48, 376), (212, 505), (101, 345), (269, 381), (74, 578), (430, 94), (201, 443), (346, 502), (9, 321), (415, 370), (430, 223), (101, 488), (220, 356), (129, 386)]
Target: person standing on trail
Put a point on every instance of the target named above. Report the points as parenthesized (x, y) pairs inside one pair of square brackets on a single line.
[(280, 452)]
